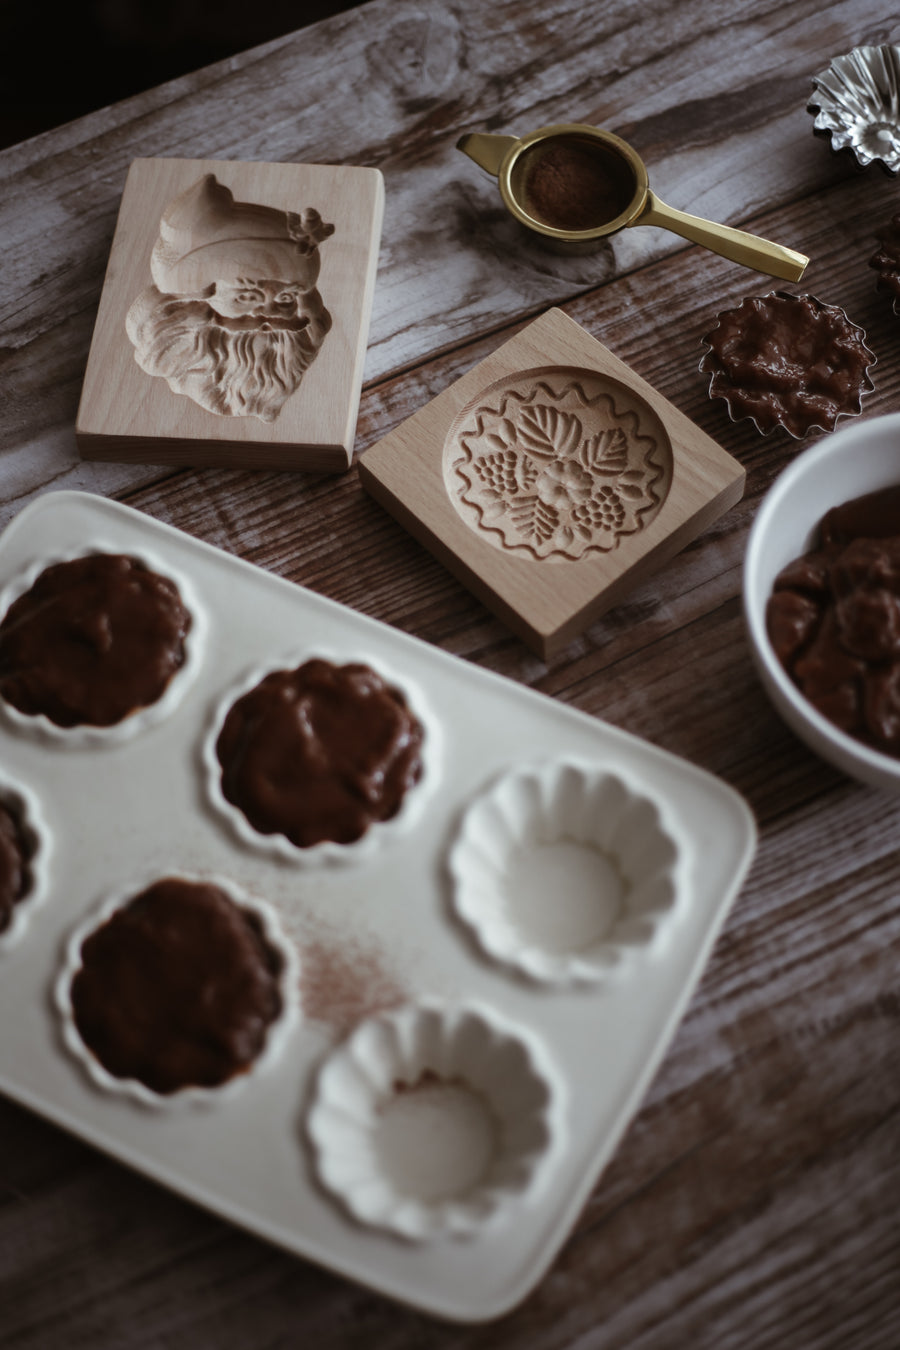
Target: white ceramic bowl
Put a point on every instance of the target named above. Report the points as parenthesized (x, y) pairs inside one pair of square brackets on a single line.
[(849, 463)]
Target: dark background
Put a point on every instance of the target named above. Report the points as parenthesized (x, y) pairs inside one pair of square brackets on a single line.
[(60, 60)]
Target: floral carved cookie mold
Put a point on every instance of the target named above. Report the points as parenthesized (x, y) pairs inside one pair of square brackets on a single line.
[(557, 462), (550, 478)]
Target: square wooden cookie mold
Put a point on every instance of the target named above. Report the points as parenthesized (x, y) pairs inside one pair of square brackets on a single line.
[(550, 479), (234, 316)]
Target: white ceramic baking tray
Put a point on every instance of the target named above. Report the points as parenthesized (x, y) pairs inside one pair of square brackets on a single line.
[(116, 811)]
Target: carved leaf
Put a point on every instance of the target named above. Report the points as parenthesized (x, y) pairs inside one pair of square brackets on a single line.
[(535, 520), (606, 453), (548, 432), (527, 472), (493, 507)]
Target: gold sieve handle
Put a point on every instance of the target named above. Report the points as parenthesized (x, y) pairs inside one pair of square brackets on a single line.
[(486, 149), (740, 247)]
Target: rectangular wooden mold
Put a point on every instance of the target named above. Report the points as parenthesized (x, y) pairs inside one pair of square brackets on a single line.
[(204, 240), (550, 479)]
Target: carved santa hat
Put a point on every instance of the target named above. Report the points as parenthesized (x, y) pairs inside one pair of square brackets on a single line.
[(206, 236)]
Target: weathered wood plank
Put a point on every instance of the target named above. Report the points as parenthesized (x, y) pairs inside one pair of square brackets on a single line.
[(752, 1203), (418, 77)]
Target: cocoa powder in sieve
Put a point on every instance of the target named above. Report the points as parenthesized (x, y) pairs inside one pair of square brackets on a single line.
[(571, 187)]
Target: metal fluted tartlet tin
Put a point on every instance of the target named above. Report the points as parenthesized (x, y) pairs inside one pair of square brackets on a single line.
[(787, 361), (856, 103)]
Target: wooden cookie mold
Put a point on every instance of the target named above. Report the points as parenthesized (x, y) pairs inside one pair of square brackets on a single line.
[(550, 479), (233, 321)]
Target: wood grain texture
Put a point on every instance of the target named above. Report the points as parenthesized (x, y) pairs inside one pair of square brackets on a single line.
[(753, 1203)]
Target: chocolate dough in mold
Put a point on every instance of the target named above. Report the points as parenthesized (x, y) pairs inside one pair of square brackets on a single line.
[(93, 640), (320, 753), (178, 988)]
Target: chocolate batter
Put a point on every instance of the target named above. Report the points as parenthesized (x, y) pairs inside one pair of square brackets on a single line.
[(788, 360), (834, 619), (92, 641), (886, 259), (16, 852), (319, 753), (177, 988)]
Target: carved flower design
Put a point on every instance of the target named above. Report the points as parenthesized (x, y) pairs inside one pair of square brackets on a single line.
[(555, 470), (564, 484)]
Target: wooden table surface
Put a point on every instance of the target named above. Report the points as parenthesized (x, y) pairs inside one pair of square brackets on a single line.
[(754, 1202)]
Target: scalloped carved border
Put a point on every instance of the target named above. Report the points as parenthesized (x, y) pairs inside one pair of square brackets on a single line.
[(557, 463)]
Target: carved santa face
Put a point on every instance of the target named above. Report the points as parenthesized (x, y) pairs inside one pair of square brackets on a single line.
[(234, 318), (245, 362), (274, 304)]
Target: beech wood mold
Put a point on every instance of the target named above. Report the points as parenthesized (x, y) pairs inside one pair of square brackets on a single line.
[(551, 478), (234, 316)]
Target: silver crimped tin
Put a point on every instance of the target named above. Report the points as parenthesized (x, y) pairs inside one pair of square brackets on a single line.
[(856, 103), (775, 388)]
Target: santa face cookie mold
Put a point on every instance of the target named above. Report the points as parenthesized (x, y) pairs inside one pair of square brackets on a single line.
[(233, 318)]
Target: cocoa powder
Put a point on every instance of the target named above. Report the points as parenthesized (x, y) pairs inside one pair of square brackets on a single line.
[(343, 982), (572, 187)]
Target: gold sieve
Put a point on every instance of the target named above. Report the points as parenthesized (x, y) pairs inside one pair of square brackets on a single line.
[(613, 193)]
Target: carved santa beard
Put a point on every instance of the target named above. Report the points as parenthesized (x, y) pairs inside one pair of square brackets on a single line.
[(226, 366)]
